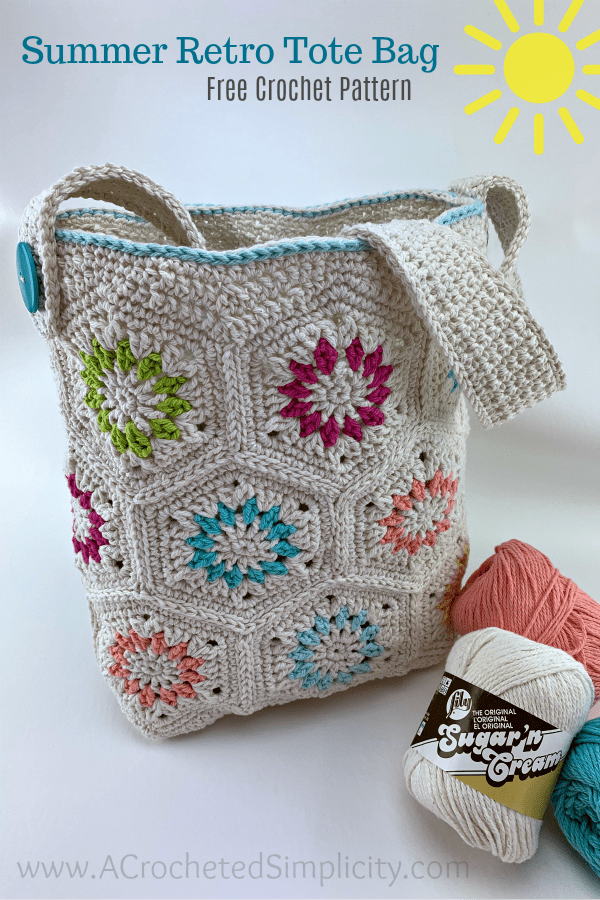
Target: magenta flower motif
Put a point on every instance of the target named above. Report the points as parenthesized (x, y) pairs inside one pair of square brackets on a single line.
[(87, 537), (334, 395)]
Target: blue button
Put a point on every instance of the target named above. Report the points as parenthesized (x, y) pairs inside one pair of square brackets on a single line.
[(28, 280)]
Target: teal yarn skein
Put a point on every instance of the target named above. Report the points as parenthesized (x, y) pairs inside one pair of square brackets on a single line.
[(576, 797)]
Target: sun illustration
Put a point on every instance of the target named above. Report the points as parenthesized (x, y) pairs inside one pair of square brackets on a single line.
[(538, 68)]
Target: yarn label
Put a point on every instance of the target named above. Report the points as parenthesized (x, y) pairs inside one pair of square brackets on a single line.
[(497, 748)]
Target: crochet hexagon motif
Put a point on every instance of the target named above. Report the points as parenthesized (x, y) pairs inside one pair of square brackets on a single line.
[(87, 537), (334, 395), (121, 386), (335, 649), (242, 543), (419, 516), (152, 669)]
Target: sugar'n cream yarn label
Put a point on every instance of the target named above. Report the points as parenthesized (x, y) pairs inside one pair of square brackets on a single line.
[(497, 748)]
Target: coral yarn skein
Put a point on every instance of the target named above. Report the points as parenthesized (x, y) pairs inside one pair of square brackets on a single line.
[(518, 589)]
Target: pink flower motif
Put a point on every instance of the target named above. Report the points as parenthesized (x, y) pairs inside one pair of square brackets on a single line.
[(330, 432), (371, 415), (86, 523), (309, 423), (353, 428), (152, 669), (325, 356), (303, 372), (419, 516), (307, 377), (354, 354)]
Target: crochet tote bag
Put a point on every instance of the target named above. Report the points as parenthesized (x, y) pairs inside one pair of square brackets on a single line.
[(266, 425)]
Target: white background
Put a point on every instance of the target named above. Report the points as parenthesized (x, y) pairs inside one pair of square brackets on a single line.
[(314, 778)]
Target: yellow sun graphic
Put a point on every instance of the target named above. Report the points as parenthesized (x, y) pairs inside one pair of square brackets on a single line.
[(538, 68)]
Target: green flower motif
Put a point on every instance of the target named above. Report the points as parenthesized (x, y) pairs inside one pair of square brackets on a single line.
[(116, 386)]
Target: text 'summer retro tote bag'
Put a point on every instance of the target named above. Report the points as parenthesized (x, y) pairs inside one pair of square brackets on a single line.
[(266, 426)]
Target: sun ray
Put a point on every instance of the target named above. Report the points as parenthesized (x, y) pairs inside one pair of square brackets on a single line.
[(476, 105), (507, 15), (538, 68), (508, 123), (538, 134), (570, 125), (538, 12), (586, 42), (483, 38), (589, 98), (570, 15), (474, 70)]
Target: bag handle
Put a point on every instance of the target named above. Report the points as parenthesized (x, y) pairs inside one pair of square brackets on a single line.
[(114, 184), (499, 354), (508, 208)]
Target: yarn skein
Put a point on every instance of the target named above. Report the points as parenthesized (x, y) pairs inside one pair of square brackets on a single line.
[(519, 589), (541, 680), (576, 797)]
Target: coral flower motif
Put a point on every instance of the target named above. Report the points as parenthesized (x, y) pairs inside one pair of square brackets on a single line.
[(87, 537), (152, 669), (336, 394), (419, 516)]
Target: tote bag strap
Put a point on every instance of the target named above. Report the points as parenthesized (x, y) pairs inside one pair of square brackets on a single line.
[(499, 354), (114, 184), (508, 208)]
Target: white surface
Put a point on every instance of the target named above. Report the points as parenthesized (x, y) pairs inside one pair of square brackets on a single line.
[(315, 778)]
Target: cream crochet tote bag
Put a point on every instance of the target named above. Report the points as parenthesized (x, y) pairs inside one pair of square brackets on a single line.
[(266, 418)]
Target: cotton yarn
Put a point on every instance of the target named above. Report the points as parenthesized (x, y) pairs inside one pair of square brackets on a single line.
[(519, 589), (576, 797), (540, 679)]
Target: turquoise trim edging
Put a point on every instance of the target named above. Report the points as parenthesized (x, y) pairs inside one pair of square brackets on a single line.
[(313, 212), (214, 257), (310, 212), (244, 255), (98, 211), (461, 212)]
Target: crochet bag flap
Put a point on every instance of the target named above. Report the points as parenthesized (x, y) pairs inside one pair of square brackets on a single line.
[(266, 422)]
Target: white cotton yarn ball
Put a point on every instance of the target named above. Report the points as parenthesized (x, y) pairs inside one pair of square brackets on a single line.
[(542, 680)]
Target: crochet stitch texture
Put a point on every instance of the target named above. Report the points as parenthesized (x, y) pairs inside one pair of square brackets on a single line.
[(266, 417)]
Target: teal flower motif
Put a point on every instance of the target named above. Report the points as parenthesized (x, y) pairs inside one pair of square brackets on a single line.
[(243, 543), (335, 649)]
